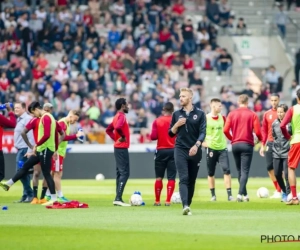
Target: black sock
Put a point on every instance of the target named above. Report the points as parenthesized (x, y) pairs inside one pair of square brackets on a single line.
[(35, 191), (229, 192), (44, 190), (212, 190)]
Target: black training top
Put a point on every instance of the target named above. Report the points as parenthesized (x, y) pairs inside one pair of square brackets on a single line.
[(192, 131)]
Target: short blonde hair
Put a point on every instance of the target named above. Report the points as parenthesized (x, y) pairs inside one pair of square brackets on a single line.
[(187, 90), (243, 99)]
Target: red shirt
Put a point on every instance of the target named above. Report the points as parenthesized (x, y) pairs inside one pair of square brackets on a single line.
[(43, 63), (160, 132), (88, 20), (178, 8), (4, 83), (286, 120), (242, 122), (7, 122), (269, 117), (119, 128), (163, 37), (33, 124), (37, 74), (188, 64)]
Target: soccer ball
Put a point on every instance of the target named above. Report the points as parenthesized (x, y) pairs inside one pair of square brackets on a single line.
[(176, 199), (136, 200), (100, 177), (262, 192)]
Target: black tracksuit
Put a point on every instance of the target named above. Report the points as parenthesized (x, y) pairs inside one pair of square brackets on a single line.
[(187, 135), (281, 147)]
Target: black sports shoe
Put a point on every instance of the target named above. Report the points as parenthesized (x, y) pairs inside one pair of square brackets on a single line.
[(157, 204)]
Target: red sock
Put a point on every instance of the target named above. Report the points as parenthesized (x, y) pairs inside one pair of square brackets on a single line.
[(170, 189), (294, 192), (158, 186), (277, 187)]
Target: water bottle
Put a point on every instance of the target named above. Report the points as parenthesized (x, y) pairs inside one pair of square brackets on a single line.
[(20, 164), (81, 138), (3, 106)]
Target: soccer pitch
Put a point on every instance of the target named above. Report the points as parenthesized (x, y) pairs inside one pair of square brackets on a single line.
[(213, 225)]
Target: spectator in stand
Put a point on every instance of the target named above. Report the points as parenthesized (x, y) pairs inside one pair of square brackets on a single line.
[(105, 11), (224, 12), (188, 36), (241, 27), (113, 37), (89, 66), (271, 78), (213, 11), (118, 11), (73, 102), (202, 39), (204, 24), (224, 62), (281, 20), (207, 58), (152, 18), (178, 9)]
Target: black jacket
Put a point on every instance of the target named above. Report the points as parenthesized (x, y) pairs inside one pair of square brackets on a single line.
[(194, 130), (281, 146)]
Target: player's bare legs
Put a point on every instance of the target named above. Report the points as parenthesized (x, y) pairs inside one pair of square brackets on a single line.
[(57, 179), (293, 183)]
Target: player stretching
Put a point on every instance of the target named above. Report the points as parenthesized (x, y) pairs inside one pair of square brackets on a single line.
[(269, 117), (164, 156), (33, 124), (216, 145), (281, 147), (118, 131), (293, 117), (43, 150), (59, 156)]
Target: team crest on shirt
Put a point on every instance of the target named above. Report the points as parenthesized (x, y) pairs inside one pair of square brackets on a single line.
[(270, 117), (211, 154), (195, 117)]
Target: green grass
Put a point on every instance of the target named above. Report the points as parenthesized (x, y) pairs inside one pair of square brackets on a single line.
[(219, 225)]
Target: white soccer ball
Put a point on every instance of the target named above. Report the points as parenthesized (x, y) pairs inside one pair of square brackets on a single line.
[(176, 199), (136, 200), (100, 177), (262, 192), (289, 197)]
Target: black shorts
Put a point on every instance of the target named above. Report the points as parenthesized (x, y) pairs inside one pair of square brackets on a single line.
[(217, 156), (164, 160), (269, 156)]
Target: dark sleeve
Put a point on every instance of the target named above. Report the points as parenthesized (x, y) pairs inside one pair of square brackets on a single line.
[(119, 125), (286, 120), (171, 134), (154, 135), (8, 122), (110, 131), (273, 132), (202, 131), (47, 130)]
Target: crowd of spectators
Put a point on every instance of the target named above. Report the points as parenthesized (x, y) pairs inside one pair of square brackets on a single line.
[(84, 54)]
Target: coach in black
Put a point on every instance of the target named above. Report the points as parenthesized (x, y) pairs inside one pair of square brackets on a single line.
[(189, 124)]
